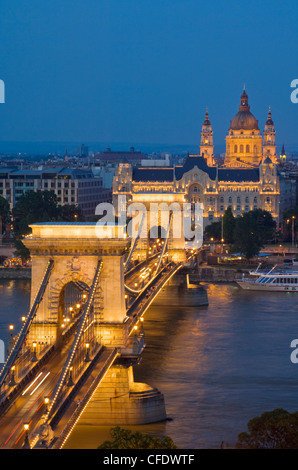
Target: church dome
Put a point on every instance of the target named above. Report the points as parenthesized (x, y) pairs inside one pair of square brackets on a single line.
[(244, 119)]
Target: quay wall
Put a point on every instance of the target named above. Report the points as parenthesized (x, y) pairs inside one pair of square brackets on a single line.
[(216, 274), (15, 273)]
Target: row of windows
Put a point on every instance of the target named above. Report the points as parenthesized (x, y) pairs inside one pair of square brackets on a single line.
[(247, 148), (286, 280), (238, 208), (212, 200), (222, 209), (237, 190)]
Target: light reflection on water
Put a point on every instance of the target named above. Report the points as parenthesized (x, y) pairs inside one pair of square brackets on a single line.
[(217, 366)]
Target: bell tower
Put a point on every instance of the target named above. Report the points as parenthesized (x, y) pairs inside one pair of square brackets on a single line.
[(207, 147), (269, 147)]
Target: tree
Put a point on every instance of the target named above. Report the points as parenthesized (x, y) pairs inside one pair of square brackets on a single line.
[(252, 231), (4, 208), (293, 211), (40, 206), (32, 207), (213, 231), (4, 213), (275, 429), (70, 213), (125, 439), (265, 225), (229, 223), (290, 217)]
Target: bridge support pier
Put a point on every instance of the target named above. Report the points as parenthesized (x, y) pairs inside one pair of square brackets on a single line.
[(179, 291), (119, 400)]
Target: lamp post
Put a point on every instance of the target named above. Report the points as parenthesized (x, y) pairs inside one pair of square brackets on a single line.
[(34, 356), (293, 230), (12, 381), (11, 339), (87, 358), (46, 402), (26, 444), (70, 382)]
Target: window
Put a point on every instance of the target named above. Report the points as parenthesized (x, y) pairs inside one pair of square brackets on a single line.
[(241, 148), (230, 200), (236, 148), (247, 149)]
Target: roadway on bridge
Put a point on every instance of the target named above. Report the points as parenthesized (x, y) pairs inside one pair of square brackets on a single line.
[(140, 277), (29, 406)]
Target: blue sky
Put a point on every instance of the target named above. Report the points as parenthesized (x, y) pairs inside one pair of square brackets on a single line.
[(144, 70)]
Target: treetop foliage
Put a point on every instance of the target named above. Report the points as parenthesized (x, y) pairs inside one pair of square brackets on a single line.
[(126, 439)]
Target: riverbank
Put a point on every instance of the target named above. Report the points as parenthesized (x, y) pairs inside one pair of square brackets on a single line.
[(217, 274), (15, 273)]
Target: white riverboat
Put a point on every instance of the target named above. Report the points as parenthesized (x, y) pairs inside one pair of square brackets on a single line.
[(281, 281)]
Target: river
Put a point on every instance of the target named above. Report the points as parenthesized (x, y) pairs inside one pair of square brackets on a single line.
[(218, 366)]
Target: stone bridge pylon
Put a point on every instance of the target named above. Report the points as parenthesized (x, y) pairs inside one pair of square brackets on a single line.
[(76, 254), (75, 250)]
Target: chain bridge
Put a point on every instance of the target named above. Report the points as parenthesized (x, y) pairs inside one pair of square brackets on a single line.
[(72, 361)]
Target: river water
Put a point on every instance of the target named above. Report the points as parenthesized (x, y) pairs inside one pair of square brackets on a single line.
[(218, 366)]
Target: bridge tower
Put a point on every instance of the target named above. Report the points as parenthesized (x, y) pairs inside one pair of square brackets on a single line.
[(75, 251)]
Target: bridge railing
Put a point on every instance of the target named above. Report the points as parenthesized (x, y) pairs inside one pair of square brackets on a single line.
[(134, 292), (135, 241), (144, 300), (26, 326), (76, 413), (76, 341)]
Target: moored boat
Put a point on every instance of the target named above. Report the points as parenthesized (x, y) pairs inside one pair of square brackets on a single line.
[(281, 281)]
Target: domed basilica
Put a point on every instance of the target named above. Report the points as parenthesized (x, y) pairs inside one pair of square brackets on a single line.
[(247, 180), (245, 146)]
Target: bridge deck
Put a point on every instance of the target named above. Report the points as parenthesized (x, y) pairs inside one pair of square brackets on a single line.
[(82, 397)]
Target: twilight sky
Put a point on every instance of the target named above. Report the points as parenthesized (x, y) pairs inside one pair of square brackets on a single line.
[(143, 71)]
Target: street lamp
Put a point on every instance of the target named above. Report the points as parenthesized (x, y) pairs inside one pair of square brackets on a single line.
[(70, 382), (34, 356), (26, 444), (87, 358), (12, 381), (46, 402), (293, 230), (11, 339)]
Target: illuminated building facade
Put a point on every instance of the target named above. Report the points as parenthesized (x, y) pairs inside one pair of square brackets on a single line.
[(248, 179)]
